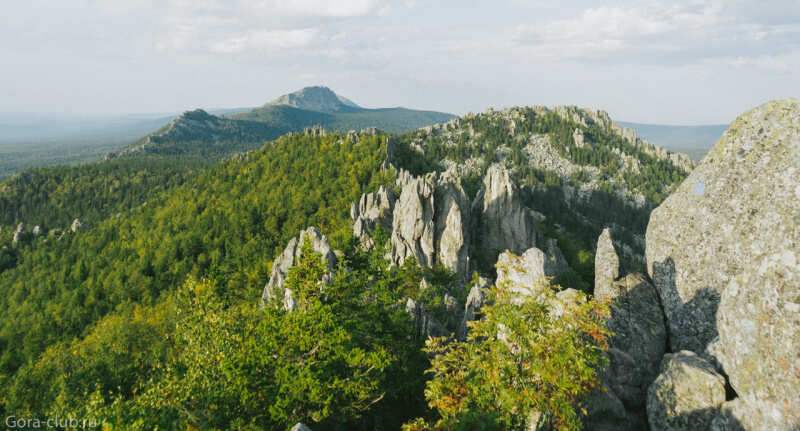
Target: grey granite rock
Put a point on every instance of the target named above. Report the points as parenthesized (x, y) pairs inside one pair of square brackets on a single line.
[(19, 233), (759, 339), (300, 427), (528, 274), (76, 225), (280, 267), (605, 412), (475, 300), (425, 324), (452, 234), (372, 210), (687, 395), (606, 263), (413, 225), (741, 204), (639, 340), (502, 222)]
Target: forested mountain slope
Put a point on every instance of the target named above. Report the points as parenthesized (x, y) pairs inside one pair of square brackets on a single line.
[(200, 133), (121, 318)]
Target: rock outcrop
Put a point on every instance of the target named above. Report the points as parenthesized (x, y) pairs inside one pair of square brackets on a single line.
[(606, 262), (425, 324), (739, 205), (723, 252), (37, 231), (475, 300), (413, 227), (300, 427), (687, 395), (502, 222), (527, 273), (373, 210), (280, 267), (605, 412), (759, 340), (452, 226), (639, 339), (19, 233), (77, 225)]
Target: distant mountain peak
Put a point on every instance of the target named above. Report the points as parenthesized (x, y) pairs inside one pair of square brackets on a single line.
[(317, 98)]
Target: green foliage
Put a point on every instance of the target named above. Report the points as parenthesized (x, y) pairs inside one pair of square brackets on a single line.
[(393, 120), (202, 360), (230, 221), (52, 197), (517, 360)]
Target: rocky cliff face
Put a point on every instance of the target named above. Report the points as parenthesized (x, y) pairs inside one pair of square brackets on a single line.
[(452, 234), (413, 225), (373, 210), (502, 221)]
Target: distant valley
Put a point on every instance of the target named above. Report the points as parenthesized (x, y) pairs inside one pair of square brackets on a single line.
[(694, 141)]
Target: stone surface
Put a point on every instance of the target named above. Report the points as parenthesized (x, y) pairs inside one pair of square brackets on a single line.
[(759, 338), (452, 227), (740, 205), (606, 262), (555, 262), (372, 210), (605, 412), (475, 300), (527, 273), (412, 225), (19, 233), (639, 340), (737, 415), (425, 324), (502, 222), (76, 225), (454, 312), (287, 259), (687, 395), (37, 230), (300, 427)]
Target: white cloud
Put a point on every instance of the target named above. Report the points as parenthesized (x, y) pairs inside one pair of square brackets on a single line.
[(659, 32), (329, 8), (266, 40)]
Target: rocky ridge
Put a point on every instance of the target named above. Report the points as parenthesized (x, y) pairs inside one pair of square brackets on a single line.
[(705, 338)]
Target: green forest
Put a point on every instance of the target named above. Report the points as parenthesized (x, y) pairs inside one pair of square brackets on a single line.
[(149, 317)]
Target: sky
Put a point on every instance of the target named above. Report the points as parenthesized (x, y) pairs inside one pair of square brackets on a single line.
[(666, 62)]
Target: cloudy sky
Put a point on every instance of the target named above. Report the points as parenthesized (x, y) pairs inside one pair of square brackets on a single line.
[(668, 62)]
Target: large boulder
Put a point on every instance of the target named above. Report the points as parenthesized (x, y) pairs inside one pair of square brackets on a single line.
[(687, 395), (412, 224), (372, 210), (605, 412), (502, 222), (738, 208), (639, 340), (291, 254), (759, 339), (452, 234)]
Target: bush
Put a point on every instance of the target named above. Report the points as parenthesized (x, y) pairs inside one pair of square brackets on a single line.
[(519, 359)]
